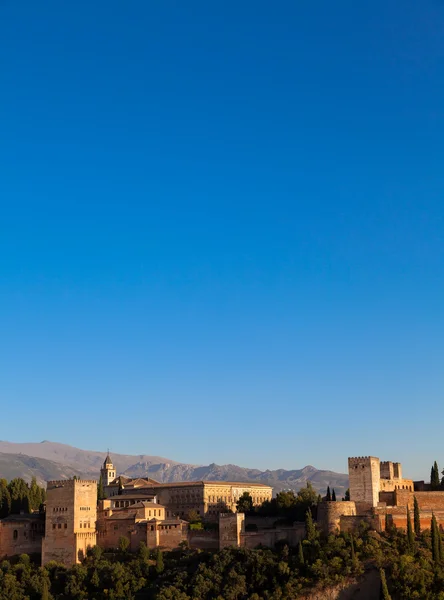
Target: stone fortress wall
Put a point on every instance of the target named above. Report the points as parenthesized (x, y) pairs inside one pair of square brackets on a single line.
[(379, 494)]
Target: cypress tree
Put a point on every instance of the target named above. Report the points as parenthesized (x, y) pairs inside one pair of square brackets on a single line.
[(387, 523), (26, 505), (435, 482), (333, 495), (416, 517), (384, 595), (347, 495), (5, 500), (439, 537), (328, 497), (435, 540), (45, 590), (159, 562), (410, 534), (100, 490), (310, 528), (352, 549), (301, 560)]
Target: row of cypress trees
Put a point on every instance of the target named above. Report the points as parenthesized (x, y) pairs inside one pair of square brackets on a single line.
[(331, 496)]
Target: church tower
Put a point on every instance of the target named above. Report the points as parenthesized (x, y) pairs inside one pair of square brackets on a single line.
[(108, 472)]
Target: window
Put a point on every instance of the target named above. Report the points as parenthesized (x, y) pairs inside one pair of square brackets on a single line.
[(54, 526), (60, 526), (15, 534), (66, 525)]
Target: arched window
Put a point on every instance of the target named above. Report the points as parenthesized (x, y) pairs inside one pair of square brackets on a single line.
[(15, 534)]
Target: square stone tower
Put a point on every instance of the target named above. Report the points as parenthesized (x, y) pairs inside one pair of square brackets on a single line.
[(71, 515), (231, 526), (364, 479)]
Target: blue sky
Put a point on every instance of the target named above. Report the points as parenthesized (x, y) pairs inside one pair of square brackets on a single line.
[(221, 230)]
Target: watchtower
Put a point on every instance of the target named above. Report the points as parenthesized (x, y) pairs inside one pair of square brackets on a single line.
[(364, 476), (70, 524)]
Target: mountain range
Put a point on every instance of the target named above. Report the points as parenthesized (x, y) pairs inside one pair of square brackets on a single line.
[(51, 460)]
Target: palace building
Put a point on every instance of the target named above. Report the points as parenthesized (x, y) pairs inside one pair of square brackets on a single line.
[(206, 499)]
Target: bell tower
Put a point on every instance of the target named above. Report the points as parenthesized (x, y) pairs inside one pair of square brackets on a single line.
[(108, 472)]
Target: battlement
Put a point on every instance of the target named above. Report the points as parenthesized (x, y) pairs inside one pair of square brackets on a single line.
[(359, 459), (57, 483)]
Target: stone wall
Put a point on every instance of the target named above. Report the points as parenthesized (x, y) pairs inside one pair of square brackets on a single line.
[(21, 534), (231, 525), (330, 513), (426, 500), (204, 540), (270, 537)]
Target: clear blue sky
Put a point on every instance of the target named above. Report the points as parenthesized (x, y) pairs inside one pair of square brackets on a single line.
[(222, 229)]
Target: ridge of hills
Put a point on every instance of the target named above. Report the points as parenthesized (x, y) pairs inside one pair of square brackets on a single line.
[(51, 460)]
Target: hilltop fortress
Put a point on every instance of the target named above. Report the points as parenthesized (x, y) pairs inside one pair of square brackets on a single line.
[(380, 496), (158, 514)]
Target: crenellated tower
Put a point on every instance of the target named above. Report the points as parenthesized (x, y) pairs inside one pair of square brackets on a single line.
[(364, 477)]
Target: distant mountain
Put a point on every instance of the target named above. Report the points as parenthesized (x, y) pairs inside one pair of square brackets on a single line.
[(50, 460), (20, 465)]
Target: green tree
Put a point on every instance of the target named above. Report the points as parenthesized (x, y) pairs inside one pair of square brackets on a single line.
[(347, 495), (410, 534), (384, 595), (245, 503), (123, 544), (143, 552), (333, 495), (193, 516), (35, 496), (5, 499), (435, 535), (310, 527), (19, 490), (435, 482), (328, 497), (416, 517), (300, 554), (100, 490), (159, 562), (285, 500), (45, 590)]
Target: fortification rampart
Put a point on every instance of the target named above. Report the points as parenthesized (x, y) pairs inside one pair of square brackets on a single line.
[(330, 513)]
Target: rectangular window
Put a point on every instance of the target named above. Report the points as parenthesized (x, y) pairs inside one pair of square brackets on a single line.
[(66, 525), (60, 525)]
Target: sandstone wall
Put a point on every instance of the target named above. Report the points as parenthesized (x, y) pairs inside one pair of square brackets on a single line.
[(21, 535), (270, 537), (330, 513)]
